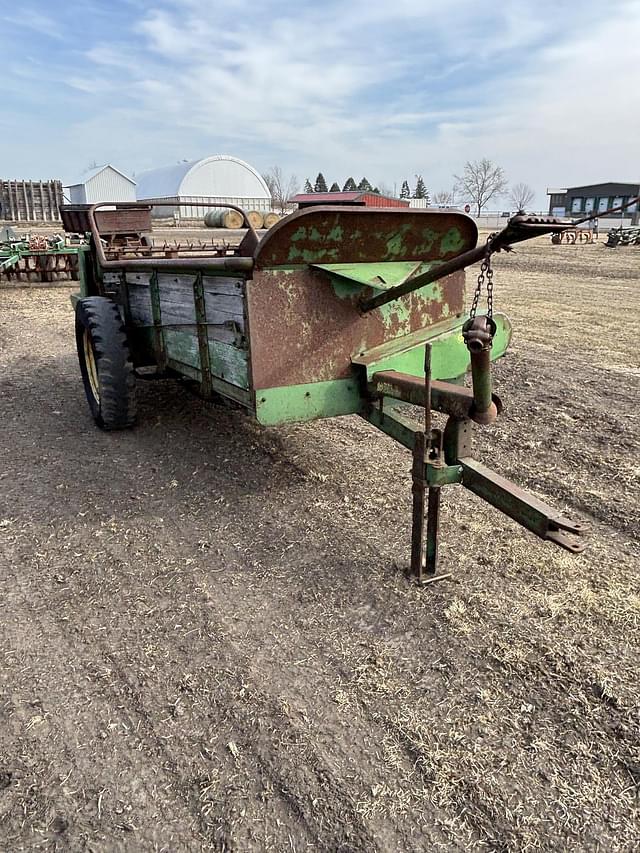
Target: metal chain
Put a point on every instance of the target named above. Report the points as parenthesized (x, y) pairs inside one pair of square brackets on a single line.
[(486, 271)]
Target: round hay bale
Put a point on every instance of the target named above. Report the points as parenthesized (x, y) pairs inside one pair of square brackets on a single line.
[(270, 219), (256, 218), (223, 218)]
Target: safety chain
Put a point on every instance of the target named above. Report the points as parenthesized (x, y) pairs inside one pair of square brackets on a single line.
[(486, 271)]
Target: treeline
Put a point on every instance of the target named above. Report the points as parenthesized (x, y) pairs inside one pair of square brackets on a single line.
[(320, 186), (350, 185)]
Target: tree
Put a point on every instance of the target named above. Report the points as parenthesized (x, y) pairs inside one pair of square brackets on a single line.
[(282, 187), (320, 184), (421, 189), (481, 181), (334, 188), (307, 186), (349, 186), (405, 192), (521, 196), (444, 198), (364, 186), (376, 191)]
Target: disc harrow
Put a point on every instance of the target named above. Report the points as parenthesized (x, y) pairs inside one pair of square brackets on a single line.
[(36, 259)]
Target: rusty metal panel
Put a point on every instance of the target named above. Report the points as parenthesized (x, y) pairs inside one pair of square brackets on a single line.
[(325, 235), (304, 328), (126, 220)]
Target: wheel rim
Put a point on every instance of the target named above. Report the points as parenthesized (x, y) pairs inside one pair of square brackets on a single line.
[(92, 369)]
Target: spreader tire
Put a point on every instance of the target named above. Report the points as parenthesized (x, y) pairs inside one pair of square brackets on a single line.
[(105, 363)]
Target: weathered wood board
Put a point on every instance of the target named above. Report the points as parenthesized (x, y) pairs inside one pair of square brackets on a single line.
[(224, 306)]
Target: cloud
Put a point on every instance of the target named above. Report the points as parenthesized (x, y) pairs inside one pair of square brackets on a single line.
[(366, 87)]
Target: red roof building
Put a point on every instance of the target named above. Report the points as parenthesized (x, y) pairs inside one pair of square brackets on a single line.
[(363, 199)]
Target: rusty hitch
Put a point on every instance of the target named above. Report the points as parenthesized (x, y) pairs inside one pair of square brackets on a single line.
[(478, 334)]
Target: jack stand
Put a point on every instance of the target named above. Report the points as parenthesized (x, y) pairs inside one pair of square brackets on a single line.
[(424, 566)]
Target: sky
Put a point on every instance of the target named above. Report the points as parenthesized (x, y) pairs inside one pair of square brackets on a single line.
[(387, 89)]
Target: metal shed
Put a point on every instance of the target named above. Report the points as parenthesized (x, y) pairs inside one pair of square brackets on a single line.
[(102, 183), (362, 199), (199, 183)]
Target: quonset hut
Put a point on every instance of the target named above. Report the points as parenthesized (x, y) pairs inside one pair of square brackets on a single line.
[(186, 186)]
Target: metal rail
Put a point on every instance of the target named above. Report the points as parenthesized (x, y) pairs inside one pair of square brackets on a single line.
[(237, 264)]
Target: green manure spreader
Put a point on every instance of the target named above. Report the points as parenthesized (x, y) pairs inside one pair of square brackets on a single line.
[(335, 311)]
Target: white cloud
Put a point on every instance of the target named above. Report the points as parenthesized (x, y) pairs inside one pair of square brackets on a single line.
[(366, 87)]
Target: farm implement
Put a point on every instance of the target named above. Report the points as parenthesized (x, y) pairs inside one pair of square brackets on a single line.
[(623, 237), (335, 311), (574, 235), (36, 258)]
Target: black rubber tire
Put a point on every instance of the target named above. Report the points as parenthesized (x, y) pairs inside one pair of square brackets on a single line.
[(112, 399)]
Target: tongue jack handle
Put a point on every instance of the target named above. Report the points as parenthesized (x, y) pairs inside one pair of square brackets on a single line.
[(478, 334)]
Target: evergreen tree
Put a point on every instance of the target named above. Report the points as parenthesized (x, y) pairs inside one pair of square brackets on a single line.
[(321, 184), (405, 192), (376, 190), (349, 186), (307, 186), (334, 188), (421, 189), (364, 186)]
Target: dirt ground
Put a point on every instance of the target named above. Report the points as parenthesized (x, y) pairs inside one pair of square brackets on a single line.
[(207, 640)]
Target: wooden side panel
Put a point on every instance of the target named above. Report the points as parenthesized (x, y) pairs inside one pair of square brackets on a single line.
[(224, 303), (139, 298)]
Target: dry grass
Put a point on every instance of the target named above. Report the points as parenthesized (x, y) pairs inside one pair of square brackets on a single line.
[(208, 643)]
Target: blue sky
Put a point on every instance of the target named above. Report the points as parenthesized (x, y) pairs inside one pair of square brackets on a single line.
[(383, 89)]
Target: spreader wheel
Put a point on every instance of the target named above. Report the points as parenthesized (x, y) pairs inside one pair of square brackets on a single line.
[(105, 363)]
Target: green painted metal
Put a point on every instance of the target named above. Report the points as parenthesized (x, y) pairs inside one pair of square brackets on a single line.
[(332, 235), (393, 423), (18, 256), (308, 402), (344, 396), (443, 475), (380, 276), (84, 268), (481, 380), (449, 357)]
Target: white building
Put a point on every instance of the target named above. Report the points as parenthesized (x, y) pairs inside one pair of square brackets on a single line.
[(103, 183), (216, 179)]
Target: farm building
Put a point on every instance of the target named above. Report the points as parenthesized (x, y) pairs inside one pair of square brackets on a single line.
[(363, 199), (103, 183), (190, 188), (591, 198), (30, 201)]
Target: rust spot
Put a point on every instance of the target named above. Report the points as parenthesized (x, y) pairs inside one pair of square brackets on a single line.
[(302, 332)]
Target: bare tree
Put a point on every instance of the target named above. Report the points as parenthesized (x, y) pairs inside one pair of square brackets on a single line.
[(281, 187), (481, 181), (386, 190), (443, 198), (521, 196)]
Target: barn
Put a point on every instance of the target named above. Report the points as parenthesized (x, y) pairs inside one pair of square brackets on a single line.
[(102, 183), (361, 199), (185, 187)]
